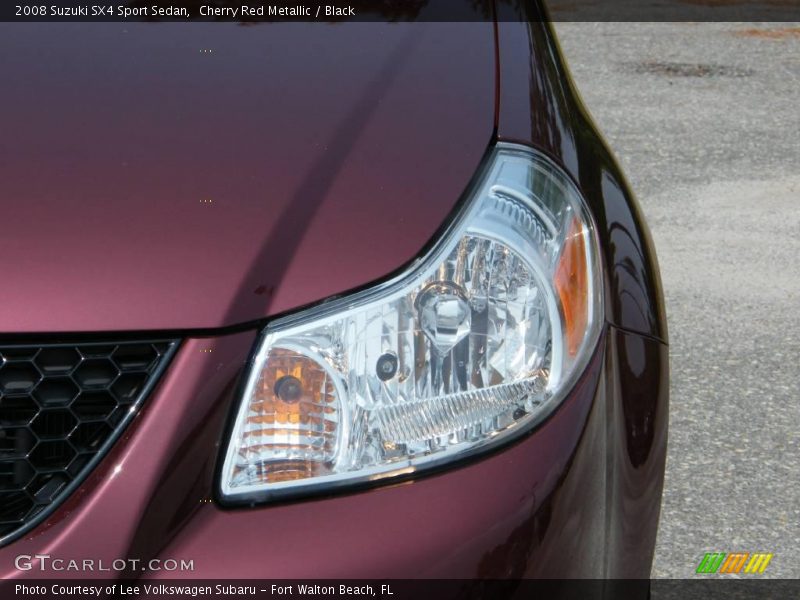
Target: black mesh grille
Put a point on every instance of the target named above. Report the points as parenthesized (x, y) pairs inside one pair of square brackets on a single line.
[(60, 406)]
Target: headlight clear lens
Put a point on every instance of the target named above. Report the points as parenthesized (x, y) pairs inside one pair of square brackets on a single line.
[(477, 341)]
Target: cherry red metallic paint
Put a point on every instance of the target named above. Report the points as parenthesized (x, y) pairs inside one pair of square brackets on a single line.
[(638, 403), (150, 185)]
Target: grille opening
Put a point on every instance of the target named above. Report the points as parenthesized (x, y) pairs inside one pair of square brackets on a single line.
[(96, 374), (56, 392), (94, 406), (57, 361), (18, 378), (134, 358)]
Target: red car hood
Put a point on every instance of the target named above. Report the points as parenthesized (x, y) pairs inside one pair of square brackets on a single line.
[(170, 176)]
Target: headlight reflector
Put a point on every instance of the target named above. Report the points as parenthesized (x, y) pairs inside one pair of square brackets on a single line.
[(475, 342)]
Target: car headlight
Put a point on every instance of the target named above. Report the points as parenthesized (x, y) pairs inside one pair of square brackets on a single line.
[(474, 343)]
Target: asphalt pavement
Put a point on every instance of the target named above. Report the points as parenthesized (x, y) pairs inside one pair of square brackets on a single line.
[(705, 120)]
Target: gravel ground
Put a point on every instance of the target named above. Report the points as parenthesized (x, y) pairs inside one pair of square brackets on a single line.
[(705, 119)]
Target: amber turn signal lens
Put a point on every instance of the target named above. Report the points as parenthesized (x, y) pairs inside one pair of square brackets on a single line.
[(292, 418), (571, 281)]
